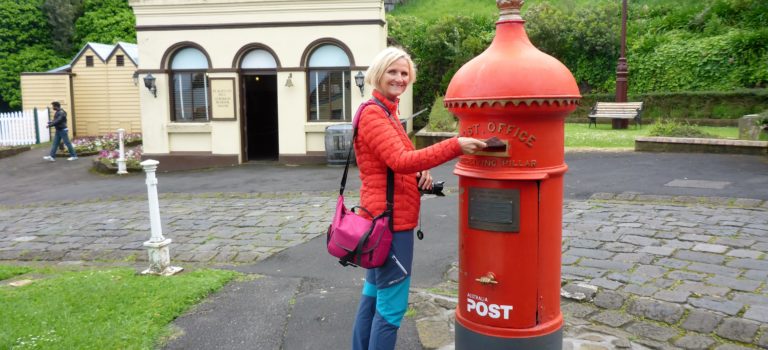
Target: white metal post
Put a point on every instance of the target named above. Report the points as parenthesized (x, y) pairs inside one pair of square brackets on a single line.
[(121, 161), (159, 255)]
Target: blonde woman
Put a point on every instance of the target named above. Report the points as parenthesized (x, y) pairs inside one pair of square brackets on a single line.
[(382, 143)]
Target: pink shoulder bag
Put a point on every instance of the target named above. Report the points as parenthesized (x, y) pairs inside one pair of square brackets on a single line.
[(355, 240)]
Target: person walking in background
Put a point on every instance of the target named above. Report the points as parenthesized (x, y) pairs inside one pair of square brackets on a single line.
[(60, 123), (382, 143)]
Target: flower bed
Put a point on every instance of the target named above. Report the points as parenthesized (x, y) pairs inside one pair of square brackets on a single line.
[(107, 148), (91, 145), (106, 162)]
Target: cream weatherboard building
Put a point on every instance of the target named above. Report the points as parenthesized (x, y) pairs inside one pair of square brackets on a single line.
[(96, 89), (230, 81)]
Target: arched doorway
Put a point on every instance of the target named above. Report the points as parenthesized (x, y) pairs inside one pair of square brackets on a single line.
[(260, 119)]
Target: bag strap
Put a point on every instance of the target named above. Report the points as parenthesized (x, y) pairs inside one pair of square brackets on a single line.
[(390, 173), (352, 146)]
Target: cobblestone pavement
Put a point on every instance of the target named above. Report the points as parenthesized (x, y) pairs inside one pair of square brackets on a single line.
[(204, 228), (639, 271), (648, 272)]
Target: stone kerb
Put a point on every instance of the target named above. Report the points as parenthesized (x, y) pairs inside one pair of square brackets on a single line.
[(700, 145)]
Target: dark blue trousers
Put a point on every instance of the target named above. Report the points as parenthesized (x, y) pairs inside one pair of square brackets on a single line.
[(61, 135)]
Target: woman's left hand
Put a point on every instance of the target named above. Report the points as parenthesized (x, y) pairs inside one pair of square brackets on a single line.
[(425, 180)]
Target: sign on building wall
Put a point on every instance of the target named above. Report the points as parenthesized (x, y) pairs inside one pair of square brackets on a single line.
[(223, 98)]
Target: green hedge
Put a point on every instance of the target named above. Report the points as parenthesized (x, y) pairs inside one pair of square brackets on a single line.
[(729, 105), (672, 46), (704, 108)]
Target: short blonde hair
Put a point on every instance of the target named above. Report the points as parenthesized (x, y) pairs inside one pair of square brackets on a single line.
[(383, 60)]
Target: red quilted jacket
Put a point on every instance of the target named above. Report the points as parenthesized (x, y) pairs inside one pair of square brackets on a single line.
[(381, 142)]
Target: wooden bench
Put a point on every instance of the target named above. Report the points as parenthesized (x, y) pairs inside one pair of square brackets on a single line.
[(616, 110)]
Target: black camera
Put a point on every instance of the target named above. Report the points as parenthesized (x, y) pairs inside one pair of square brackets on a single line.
[(437, 189)]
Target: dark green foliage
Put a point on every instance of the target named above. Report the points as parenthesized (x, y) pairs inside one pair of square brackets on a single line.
[(688, 105), (24, 46), (106, 22), (61, 16), (39, 35), (36, 58), (672, 46), (439, 49), (20, 25), (439, 117), (675, 128), (585, 39), (707, 45)]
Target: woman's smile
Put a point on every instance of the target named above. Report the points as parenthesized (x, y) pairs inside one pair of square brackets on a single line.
[(395, 80)]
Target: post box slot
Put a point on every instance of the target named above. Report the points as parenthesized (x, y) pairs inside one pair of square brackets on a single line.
[(495, 209), (496, 148)]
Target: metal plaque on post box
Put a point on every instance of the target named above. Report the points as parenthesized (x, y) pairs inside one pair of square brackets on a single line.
[(494, 209)]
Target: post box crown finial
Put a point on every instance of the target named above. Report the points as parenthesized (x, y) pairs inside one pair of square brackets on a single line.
[(510, 9)]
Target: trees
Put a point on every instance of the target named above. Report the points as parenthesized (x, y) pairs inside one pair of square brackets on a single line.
[(105, 21), (61, 16), (23, 37), (672, 46), (39, 35)]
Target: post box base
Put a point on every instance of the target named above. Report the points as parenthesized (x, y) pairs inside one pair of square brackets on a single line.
[(467, 339)]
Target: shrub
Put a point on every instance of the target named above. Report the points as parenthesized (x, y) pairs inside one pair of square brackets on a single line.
[(689, 105), (439, 48), (674, 128), (762, 122), (440, 119)]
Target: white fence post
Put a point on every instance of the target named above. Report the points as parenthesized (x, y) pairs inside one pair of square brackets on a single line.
[(42, 125), (21, 128)]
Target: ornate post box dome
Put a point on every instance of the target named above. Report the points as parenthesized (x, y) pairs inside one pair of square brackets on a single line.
[(511, 193), (513, 80)]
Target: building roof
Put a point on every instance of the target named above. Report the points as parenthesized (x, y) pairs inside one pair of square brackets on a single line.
[(132, 50), (104, 52), (64, 68)]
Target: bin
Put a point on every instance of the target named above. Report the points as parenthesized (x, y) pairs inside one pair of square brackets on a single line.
[(338, 142)]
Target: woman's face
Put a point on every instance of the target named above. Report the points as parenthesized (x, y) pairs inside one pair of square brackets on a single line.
[(395, 79)]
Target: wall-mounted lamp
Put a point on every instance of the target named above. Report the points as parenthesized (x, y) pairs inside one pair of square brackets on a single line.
[(149, 82), (135, 78), (289, 81), (360, 82)]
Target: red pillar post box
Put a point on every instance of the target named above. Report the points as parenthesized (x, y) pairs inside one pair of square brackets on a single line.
[(511, 194)]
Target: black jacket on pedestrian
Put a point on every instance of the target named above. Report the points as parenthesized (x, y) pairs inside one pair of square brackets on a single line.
[(59, 120)]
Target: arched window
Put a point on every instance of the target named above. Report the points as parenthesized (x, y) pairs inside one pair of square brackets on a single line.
[(258, 59), (329, 84), (190, 85)]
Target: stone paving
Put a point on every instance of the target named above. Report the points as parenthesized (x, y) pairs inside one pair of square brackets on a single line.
[(639, 271), (216, 228), (648, 272)]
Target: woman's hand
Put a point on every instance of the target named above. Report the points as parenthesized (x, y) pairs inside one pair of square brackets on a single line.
[(425, 180), (470, 145)]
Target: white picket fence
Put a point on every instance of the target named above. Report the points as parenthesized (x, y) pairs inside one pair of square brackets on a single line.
[(24, 128)]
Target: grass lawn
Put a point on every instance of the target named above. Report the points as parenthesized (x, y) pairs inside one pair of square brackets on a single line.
[(580, 136), (10, 271), (113, 308)]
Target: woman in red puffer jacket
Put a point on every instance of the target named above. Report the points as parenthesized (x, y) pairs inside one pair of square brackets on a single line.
[(382, 143)]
